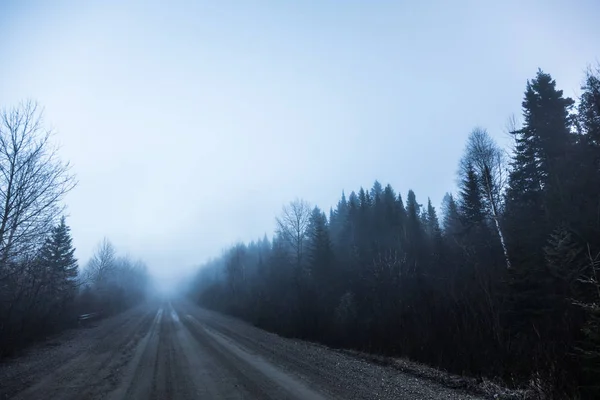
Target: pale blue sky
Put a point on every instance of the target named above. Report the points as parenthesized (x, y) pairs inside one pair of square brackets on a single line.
[(190, 123)]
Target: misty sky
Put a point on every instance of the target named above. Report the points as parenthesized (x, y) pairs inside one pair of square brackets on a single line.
[(189, 123)]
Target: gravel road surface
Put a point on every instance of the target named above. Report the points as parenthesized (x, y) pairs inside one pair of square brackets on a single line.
[(175, 350)]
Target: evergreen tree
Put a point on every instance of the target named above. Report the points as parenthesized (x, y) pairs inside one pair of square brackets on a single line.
[(338, 221), (546, 130), (57, 255), (364, 199), (585, 212), (320, 254), (388, 200), (539, 171), (471, 203), (413, 210), (376, 190), (402, 217), (451, 222), (538, 168), (433, 224), (537, 231), (434, 236), (414, 231), (390, 219), (589, 109), (379, 224), (386, 277)]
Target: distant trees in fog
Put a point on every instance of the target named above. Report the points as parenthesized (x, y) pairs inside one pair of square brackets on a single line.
[(111, 283), (503, 284), (40, 285)]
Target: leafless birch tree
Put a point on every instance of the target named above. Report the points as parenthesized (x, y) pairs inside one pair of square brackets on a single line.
[(489, 162)]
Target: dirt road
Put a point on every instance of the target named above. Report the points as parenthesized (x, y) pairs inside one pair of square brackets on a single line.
[(179, 351)]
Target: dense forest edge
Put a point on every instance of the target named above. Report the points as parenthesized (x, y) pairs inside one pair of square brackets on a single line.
[(42, 288), (503, 283)]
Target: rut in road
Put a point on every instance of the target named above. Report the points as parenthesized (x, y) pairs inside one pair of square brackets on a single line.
[(181, 359), (180, 351), (91, 373)]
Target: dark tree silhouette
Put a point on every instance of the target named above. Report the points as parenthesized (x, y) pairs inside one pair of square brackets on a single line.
[(404, 281)]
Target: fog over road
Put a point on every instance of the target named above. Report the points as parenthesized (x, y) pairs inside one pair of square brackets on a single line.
[(175, 350)]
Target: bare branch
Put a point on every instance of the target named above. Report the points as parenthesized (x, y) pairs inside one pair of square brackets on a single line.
[(489, 162), (33, 181), (292, 226)]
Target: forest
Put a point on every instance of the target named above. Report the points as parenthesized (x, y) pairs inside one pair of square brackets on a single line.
[(42, 288), (501, 282)]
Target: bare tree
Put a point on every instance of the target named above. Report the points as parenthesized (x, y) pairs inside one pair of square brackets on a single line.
[(489, 162), (103, 263), (292, 226), (33, 180)]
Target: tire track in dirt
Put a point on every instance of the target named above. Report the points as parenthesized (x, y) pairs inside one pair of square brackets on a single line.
[(330, 372), (258, 376), (179, 351), (92, 373), (137, 376)]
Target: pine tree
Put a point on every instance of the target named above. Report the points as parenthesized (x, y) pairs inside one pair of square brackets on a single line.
[(389, 204), (376, 190), (364, 199), (338, 222), (379, 222), (434, 237), (538, 168), (392, 219), (539, 171), (589, 109), (414, 232), (583, 185), (471, 203), (546, 131), (401, 212), (412, 209), (433, 224), (320, 253), (451, 222), (538, 233), (57, 255)]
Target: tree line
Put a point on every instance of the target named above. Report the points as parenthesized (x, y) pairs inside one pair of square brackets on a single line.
[(42, 289), (502, 283)]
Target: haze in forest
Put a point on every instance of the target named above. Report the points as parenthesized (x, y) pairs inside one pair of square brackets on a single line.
[(189, 125)]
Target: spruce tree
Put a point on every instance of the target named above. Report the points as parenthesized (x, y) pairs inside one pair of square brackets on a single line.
[(433, 224), (319, 245), (471, 203), (536, 206), (57, 255), (412, 209), (376, 190), (451, 222), (401, 212), (389, 204), (414, 232), (538, 169), (589, 109)]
